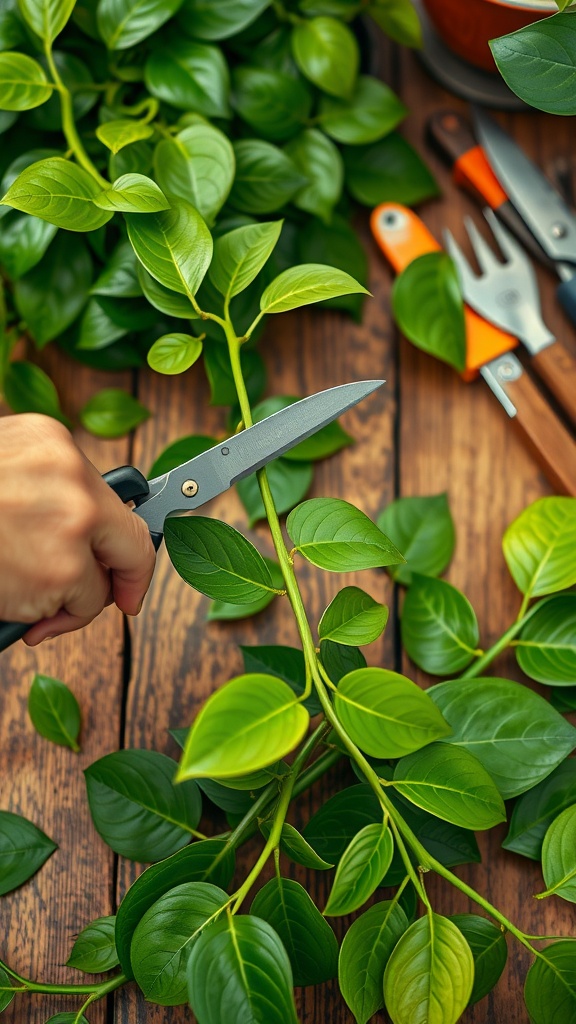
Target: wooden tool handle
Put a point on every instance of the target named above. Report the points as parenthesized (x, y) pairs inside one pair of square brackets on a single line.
[(545, 435), (450, 133), (557, 367)]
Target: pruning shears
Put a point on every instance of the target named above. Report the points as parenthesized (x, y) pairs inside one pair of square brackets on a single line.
[(197, 481)]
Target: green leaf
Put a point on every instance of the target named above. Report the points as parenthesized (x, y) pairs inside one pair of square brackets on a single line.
[(96, 329), (46, 18), (536, 810), (94, 951), (559, 857), (339, 660), (210, 860), (550, 989), (190, 76), (439, 626), (517, 750), (386, 714), (54, 711), (310, 282), (489, 950), (540, 547), (364, 954), (28, 389), (307, 938), (546, 647), (332, 828), (217, 560), (334, 535), (197, 165), (77, 78), (182, 450), (339, 245), (117, 134), (174, 353), (168, 302), (538, 63), (320, 161), (239, 971), (423, 529), (175, 246), (133, 193), (285, 662), (353, 618), (295, 846), (327, 53), (135, 806), (266, 178), (219, 19), (112, 413), (60, 192), (429, 310), (451, 783), (221, 610), (289, 483), (361, 869), (50, 296), (23, 242), (240, 255), (119, 277), (6, 982), (324, 442), (388, 171), (448, 843), (430, 973), (165, 936), (274, 103), (248, 724), (372, 111), (133, 159), (23, 83), (123, 23), (23, 850), (12, 31), (67, 1018), (219, 372), (399, 20)]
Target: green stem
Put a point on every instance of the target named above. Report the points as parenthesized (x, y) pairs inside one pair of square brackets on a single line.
[(478, 667), (102, 991), (63, 990), (68, 123)]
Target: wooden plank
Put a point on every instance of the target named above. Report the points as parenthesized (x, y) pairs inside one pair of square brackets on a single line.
[(178, 659), (456, 437), (44, 782)]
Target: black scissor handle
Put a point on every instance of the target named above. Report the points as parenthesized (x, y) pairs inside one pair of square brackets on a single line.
[(130, 485)]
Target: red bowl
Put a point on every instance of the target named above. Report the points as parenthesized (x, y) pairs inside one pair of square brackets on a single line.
[(467, 25)]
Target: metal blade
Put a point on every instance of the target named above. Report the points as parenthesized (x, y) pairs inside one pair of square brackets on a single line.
[(195, 482), (545, 212)]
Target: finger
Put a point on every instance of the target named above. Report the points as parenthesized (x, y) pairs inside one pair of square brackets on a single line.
[(57, 625), (92, 595), (123, 543)]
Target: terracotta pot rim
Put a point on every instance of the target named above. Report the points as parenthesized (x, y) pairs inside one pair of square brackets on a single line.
[(540, 5)]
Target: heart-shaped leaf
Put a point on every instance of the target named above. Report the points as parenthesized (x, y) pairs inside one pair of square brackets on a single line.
[(540, 547), (23, 850), (439, 626), (190, 76), (60, 192), (273, 102), (174, 246), (174, 353), (353, 618), (197, 165), (326, 51), (361, 869), (423, 530), (372, 111), (335, 535), (133, 193), (364, 954), (23, 82), (54, 711), (266, 178), (307, 938), (94, 951)]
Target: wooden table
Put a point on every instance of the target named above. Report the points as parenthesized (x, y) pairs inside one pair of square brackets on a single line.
[(425, 432)]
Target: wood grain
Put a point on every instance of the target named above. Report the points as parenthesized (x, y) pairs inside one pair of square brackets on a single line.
[(556, 365)]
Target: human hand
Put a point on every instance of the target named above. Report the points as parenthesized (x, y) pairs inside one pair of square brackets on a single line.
[(68, 545)]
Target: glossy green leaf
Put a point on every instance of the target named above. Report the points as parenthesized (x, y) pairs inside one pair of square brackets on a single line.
[(133, 193), (6, 982), (240, 254), (67, 1018), (338, 245), (353, 618), (386, 714), (334, 535), (60, 192), (210, 860), (275, 104), (28, 389), (285, 662), (246, 725), (219, 372), (489, 950), (217, 560), (538, 63), (221, 610), (165, 936), (119, 277), (430, 973), (112, 413), (183, 450), (439, 626), (389, 171), (550, 989), (361, 869), (540, 547), (289, 483), (46, 18), (123, 23), (326, 51), (232, 801), (332, 828), (310, 282), (423, 530), (54, 711), (23, 82), (537, 809), (339, 660), (307, 938), (546, 647), (320, 161), (23, 242), (77, 78), (97, 330), (239, 971), (175, 246), (448, 843), (190, 76), (295, 846), (23, 850), (429, 310), (117, 134), (518, 748), (559, 856), (12, 31), (174, 353), (266, 178), (51, 295), (133, 159), (451, 783), (399, 19), (364, 954), (372, 111), (94, 951), (323, 442), (197, 165), (166, 301), (219, 19)]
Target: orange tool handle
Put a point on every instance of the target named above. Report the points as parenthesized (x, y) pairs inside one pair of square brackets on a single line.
[(451, 134), (402, 237)]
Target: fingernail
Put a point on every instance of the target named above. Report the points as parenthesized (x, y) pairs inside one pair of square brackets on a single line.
[(139, 608), (51, 637)]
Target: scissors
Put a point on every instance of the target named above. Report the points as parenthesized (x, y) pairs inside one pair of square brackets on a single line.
[(197, 481)]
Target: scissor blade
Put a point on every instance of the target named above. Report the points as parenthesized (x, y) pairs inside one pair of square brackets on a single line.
[(214, 471), (549, 218)]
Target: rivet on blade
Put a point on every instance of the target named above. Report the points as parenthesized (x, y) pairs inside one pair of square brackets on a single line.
[(189, 488)]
